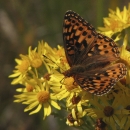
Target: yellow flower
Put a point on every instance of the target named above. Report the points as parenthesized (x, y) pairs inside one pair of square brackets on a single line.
[(48, 53), (21, 69), (26, 64), (74, 119), (77, 101), (54, 57), (35, 58), (38, 98), (116, 22), (45, 49), (29, 86), (63, 87)]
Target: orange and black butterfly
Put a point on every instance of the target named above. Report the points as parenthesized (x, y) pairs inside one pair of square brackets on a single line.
[(90, 55)]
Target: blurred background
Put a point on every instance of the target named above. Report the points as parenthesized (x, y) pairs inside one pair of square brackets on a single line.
[(22, 24)]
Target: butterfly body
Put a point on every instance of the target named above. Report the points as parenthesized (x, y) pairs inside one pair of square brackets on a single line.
[(90, 56), (80, 69)]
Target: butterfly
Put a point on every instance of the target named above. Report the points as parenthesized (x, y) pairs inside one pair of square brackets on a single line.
[(90, 56)]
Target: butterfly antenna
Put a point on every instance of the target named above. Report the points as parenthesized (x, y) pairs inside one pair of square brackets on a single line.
[(53, 62)]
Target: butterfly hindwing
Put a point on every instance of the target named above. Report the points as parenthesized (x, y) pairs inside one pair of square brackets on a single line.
[(103, 80)]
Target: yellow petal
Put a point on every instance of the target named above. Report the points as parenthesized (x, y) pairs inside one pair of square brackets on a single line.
[(54, 104), (112, 123), (31, 106), (123, 122), (124, 17), (127, 125), (116, 120), (36, 110), (74, 114), (118, 13), (14, 75), (47, 110)]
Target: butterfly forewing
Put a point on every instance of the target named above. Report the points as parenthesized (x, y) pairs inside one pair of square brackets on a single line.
[(104, 50), (104, 46), (89, 55), (78, 35)]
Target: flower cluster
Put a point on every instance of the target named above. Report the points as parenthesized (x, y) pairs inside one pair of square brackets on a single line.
[(116, 22), (44, 85)]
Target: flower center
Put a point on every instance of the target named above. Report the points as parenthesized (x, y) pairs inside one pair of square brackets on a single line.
[(114, 25), (29, 88), (43, 96), (108, 111), (70, 84), (70, 118), (75, 100), (23, 67), (47, 76)]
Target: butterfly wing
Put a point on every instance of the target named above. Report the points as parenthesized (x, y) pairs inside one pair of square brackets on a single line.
[(101, 81), (78, 35)]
